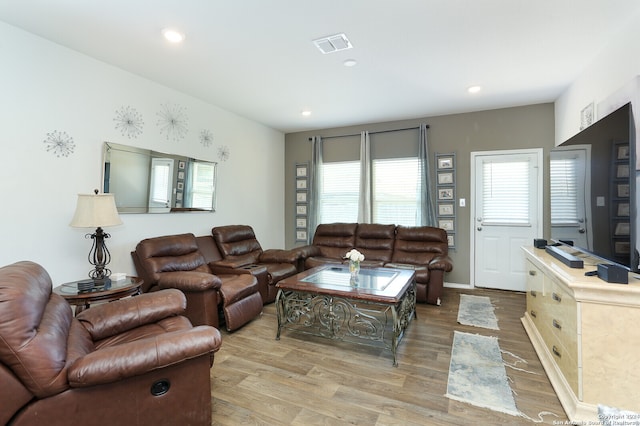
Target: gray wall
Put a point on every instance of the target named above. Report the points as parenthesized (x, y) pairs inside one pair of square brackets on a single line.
[(510, 128)]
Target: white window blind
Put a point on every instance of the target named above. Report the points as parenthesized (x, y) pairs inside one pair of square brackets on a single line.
[(339, 189), (160, 182), (396, 191), (505, 192), (202, 185), (564, 191)]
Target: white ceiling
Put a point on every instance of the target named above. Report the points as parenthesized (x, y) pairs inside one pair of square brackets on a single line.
[(416, 58)]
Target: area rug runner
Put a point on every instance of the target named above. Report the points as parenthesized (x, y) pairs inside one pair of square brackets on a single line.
[(477, 311), (477, 374)]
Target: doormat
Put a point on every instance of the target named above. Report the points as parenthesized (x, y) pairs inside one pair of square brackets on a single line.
[(477, 375), (477, 311)]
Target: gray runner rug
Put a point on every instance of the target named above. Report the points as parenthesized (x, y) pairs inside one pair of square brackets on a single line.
[(477, 374), (477, 311)]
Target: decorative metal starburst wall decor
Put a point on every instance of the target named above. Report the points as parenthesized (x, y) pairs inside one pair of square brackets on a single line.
[(173, 121), (129, 122), (223, 153), (206, 137), (59, 143)]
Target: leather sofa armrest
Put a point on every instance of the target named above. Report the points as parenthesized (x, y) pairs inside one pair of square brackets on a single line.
[(189, 281), (441, 262), (135, 358), (109, 319), (307, 251), (279, 256), (230, 263), (220, 269)]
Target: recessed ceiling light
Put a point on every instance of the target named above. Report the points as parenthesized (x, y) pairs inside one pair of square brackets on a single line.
[(306, 113), (350, 63), (474, 89), (172, 35)]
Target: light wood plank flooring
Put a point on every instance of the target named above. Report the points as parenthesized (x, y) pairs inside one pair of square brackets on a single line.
[(304, 380)]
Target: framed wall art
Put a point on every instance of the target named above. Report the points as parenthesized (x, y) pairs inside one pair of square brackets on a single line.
[(445, 209), (445, 195), (301, 176)]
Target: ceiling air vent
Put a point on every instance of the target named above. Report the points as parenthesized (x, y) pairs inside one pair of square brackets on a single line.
[(333, 43)]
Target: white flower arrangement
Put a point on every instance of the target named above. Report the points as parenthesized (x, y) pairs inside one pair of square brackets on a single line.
[(354, 255)]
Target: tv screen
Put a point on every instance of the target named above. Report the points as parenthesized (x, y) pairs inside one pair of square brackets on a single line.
[(593, 190)]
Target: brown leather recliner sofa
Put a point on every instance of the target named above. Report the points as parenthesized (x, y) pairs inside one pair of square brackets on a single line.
[(178, 261), (136, 361), (422, 248), (241, 252)]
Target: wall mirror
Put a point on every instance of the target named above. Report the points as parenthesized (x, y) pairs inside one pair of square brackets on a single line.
[(145, 181)]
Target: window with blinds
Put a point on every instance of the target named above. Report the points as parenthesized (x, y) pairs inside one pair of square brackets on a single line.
[(396, 191), (160, 179), (564, 191), (505, 192), (339, 192), (201, 185), (395, 178)]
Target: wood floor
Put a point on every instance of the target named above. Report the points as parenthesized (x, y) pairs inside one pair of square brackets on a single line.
[(304, 380)]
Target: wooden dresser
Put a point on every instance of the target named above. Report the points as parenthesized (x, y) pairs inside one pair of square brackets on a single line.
[(586, 333)]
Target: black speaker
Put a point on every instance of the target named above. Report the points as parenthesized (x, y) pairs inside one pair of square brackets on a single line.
[(539, 243), (613, 273)]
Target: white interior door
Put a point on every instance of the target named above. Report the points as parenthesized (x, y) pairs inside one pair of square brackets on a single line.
[(507, 215)]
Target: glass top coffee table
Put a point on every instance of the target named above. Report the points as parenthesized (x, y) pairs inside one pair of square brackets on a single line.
[(325, 301)]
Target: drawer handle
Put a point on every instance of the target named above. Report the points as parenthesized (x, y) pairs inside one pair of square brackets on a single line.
[(557, 325), (556, 352), (534, 293), (556, 297), (532, 273), (534, 314)]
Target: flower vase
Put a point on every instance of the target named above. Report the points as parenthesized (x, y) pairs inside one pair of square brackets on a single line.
[(354, 270)]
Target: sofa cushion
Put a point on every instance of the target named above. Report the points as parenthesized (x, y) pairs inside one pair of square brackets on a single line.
[(335, 239), (237, 242), (154, 256), (375, 242), (419, 244)]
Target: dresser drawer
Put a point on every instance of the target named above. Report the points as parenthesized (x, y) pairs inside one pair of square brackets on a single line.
[(535, 294), (563, 319), (567, 364)]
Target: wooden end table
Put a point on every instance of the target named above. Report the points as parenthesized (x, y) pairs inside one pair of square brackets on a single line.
[(81, 294)]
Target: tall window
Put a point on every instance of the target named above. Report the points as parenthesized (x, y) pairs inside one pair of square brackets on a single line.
[(201, 181), (339, 192), (396, 191)]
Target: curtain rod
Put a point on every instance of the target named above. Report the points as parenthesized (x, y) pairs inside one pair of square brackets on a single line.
[(371, 133)]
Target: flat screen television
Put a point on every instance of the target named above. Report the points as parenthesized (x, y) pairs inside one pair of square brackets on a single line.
[(593, 199)]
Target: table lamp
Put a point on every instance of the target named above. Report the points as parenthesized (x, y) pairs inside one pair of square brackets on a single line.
[(97, 210)]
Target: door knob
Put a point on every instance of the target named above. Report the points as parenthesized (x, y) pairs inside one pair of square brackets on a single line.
[(479, 228)]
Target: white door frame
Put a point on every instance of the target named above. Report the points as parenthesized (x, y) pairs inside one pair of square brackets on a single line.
[(540, 201)]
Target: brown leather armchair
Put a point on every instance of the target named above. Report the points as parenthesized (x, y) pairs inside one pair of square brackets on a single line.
[(241, 250), (135, 361), (175, 261)]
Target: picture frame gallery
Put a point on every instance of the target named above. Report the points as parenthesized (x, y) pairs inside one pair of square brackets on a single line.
[(446, 195)]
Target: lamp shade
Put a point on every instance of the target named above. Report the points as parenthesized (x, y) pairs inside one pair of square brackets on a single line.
[(95, 210)]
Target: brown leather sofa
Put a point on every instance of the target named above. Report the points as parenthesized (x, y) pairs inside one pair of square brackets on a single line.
[(241, 252), (421, 248), (135, 361), (176, 261)]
